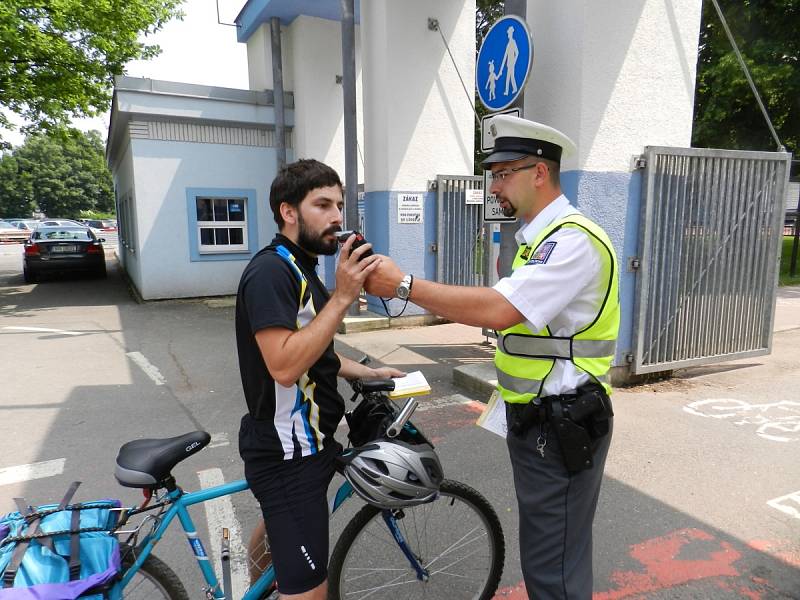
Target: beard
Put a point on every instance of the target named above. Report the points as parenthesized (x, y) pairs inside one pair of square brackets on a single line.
[(313, 243), (509, 210)]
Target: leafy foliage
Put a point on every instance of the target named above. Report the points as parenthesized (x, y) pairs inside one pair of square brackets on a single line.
[(58, 174), (726, 112), (58, 58)]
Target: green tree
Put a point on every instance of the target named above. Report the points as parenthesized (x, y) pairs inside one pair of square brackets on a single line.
[(59, 174), (726, 112), (15, 199), (58, 58)]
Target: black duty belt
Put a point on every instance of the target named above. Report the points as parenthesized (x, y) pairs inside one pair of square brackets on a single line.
[(589, 400), (579, 420)]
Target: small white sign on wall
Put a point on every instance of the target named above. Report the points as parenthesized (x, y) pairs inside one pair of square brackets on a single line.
[(474, 197), (409, 208)]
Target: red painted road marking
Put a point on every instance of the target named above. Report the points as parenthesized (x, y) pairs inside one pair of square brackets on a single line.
[(662, 568), (779, 550), (516, 592)]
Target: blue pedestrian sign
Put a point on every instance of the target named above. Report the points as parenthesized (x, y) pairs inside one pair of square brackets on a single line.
[(504, 62)]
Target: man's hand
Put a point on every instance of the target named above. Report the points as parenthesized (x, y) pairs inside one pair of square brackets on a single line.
[(352, 270), (385, 373), (351, 369), (383, 281)]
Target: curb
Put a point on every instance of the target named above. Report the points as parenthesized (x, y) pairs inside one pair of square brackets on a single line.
[(370, 321), (480, 379)]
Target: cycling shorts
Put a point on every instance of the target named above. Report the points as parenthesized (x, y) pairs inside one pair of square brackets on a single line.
[(294, 503)]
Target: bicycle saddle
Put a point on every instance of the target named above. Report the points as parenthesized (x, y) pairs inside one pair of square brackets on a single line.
[(147, 463)]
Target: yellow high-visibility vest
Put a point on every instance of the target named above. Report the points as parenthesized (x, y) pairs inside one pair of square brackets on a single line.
[(524, 358)]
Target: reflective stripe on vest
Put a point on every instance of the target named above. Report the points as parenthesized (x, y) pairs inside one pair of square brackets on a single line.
[(554, 347), (520, 385), (524, 358)]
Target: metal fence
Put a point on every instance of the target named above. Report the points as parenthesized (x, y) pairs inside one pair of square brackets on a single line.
[(710, 231), (460, 248)]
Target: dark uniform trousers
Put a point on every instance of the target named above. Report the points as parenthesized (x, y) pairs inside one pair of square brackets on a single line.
[(556, 510)]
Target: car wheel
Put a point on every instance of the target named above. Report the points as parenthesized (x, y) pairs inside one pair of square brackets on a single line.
[(29, 276)]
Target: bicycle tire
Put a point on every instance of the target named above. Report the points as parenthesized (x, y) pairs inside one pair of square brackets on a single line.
[(154, 579), (366, 552)]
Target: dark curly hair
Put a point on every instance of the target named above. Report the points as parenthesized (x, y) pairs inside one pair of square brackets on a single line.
[(296, 180)]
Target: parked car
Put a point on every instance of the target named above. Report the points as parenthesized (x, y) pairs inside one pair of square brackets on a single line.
[(64, 248), (25, 224), (10, 233), (61, 222), (101, 225)]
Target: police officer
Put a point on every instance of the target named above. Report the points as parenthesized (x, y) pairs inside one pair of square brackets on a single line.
[(557, 317)]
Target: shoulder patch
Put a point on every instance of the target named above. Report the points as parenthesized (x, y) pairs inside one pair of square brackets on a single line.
[(542, 253)]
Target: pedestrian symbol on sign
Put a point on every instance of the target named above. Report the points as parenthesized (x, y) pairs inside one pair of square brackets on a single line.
[(504, 62)]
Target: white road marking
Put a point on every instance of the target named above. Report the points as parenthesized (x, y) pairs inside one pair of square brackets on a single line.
[(219, 439), (790, 504), (775, 421), (149, 368), (219, 513), (45, 330), (37, 470), (454, 400)]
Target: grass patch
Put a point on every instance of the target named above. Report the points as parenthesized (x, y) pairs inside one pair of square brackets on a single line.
[(786, 258)]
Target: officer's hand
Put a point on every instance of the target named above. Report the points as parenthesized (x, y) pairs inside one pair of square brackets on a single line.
[(352, 269), (383, 281)]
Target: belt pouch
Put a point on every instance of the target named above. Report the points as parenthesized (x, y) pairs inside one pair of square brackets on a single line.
[(576, 446)]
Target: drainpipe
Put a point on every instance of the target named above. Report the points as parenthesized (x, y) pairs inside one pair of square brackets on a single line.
[(350, 132), (277, 92)]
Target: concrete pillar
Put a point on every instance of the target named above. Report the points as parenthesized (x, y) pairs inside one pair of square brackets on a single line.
[(312, 58), (417, 121), (615, 77)]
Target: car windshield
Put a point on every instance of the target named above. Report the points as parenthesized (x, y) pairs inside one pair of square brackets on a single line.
[(53, 234), (6, 224)]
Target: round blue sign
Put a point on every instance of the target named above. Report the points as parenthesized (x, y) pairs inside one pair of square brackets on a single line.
[(504, 61)]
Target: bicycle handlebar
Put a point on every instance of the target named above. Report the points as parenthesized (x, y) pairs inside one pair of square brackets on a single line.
[(376, 386), (402, 417)]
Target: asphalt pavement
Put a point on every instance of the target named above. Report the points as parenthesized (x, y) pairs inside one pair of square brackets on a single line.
[(701, 497)]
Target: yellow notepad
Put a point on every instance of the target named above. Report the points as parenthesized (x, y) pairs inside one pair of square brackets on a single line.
[(413, 384)]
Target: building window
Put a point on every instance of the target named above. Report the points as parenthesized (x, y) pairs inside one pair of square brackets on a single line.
[(221, 224), (126, 227)]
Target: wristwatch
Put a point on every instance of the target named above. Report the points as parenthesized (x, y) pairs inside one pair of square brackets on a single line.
[(404, 289)]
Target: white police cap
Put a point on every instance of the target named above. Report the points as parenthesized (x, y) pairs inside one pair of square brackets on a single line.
[(516, 138)]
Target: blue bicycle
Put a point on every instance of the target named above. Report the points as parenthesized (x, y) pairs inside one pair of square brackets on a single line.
[(447, 545)]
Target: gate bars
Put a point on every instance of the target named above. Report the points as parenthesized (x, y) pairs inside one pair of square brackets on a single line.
[(460, 247), (709, 246)]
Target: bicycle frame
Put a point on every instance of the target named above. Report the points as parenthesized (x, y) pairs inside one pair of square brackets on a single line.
[(179, 501)]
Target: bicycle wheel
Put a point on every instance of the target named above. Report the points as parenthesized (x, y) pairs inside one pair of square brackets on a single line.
[(154, 579), (457, 538)]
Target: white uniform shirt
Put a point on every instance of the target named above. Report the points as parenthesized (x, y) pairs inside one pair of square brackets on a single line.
[(564, 291)]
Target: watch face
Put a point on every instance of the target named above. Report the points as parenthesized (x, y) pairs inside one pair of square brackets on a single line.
[(404, 289)]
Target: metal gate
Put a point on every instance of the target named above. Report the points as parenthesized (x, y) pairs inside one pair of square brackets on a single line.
[(459, 243), (709, 239)]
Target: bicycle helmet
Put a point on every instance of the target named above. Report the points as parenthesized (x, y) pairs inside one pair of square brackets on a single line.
[(393, 474)]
